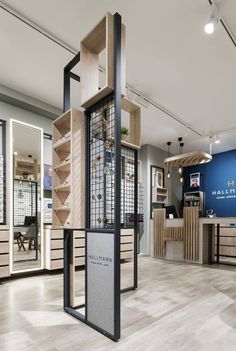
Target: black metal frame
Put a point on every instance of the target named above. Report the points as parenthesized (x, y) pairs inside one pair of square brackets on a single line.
[(36, 216), (3, 125), (68, 233), (163, 171)]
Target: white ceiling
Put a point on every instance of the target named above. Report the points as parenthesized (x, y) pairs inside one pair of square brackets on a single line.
[(169, 59)]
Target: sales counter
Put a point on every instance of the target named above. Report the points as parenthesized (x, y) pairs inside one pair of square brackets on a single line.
[(190, 239)]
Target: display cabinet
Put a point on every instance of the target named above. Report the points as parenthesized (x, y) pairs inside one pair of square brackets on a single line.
[(195, 199), (68, 170)]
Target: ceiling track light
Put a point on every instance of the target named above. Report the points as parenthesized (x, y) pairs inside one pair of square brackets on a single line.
[(213, 21)]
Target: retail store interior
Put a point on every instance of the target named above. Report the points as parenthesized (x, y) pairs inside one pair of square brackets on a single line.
[(117, 175)]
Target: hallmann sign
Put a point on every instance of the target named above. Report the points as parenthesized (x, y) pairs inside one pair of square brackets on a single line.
[(229, 192)]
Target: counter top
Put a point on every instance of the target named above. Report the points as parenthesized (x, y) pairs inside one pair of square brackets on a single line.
[(218, 220)]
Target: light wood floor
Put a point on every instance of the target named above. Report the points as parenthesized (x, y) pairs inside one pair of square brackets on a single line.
[(177, 307)]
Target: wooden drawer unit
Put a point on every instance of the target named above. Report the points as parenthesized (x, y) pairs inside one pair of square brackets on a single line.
[(4, 272), (55, 245), (127, 244), (4, 235), (4, 253), (4, 247)]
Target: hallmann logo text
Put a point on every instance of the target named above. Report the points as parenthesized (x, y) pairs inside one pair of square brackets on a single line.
[(227, 193), (100, 258)]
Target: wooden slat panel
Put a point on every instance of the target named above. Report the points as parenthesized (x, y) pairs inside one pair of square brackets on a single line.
[(191, 233), (4, 235), (4, 247), (159, 232)]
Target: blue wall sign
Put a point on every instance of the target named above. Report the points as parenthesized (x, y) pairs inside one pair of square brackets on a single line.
[(218, 181)]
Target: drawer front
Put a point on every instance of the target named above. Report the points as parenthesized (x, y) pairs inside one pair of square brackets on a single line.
[(126, 255), (126, 247), (56, 234), (4, 272), (57, 264), (57, 244), (126, 239), (79, 251), (79, 234), (79, 242), (4, 235), (4, 248), (4, 260), (57, 254), (79, 261), (129, 231)]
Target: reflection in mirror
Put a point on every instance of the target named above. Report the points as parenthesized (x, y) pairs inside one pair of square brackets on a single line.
[(27, 200)]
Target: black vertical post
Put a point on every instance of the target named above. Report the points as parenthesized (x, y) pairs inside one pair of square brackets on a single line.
[(36, 217), (117, 153), (218, 243), (67, 259), (66, 90), (135, 219)]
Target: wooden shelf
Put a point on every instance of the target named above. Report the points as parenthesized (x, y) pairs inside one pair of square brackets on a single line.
[(65, 188), (68, 177), (64, 167), (63, 208), (134, 122), (63, 145), (130, 145), (100, 38), (161, 194)]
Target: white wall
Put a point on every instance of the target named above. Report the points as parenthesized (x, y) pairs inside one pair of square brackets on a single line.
[(8, 111), (151, 155)]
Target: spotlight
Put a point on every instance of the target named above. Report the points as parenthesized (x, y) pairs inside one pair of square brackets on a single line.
[(210, 26), (181, 180)]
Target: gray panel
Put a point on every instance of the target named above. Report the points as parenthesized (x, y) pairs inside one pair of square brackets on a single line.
[(100, 280)]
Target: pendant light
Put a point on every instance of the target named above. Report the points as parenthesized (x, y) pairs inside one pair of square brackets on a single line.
[(180, 170), (168, 170)]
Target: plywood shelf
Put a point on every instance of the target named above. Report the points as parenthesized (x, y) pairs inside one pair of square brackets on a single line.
[(68, 176), (130, 145), (63, 167), (64, 188), (63, 208), (62, 145)]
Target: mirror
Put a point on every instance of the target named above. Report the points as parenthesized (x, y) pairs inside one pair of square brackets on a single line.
[(27, 197)]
